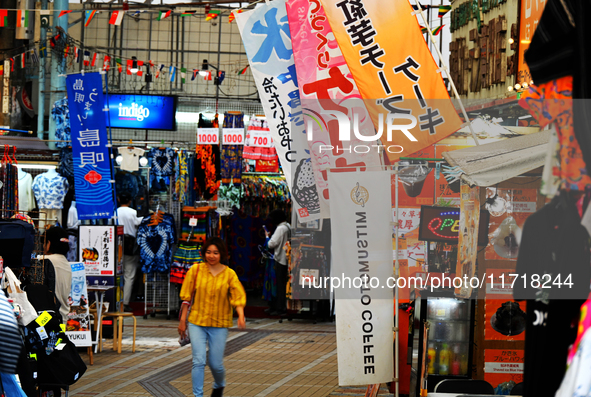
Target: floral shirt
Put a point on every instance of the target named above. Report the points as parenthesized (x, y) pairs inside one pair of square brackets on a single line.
[(50, 190)]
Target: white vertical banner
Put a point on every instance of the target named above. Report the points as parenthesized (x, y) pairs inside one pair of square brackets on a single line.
[(266, 36), (362, 253)]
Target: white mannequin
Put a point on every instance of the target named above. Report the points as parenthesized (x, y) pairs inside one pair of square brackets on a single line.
[(73, 221), (51, 172)]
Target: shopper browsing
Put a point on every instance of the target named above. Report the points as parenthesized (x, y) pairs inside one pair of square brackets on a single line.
[(276, 242), (57, 245), (215, 289), (128, 218)]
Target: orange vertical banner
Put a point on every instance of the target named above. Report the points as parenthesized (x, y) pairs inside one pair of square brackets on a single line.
[(394, 71)]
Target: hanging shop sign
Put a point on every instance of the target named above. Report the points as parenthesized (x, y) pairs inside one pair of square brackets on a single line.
[(266, 37), (325, 84), (502, 366), (483, 51), (233, 136), (92, 165), (393, 76), (97, 246), (146, 112), (77, 326), (362, 251), (208, 136), (468, 238), (530, 14)]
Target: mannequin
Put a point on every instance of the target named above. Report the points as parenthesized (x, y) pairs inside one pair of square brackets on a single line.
[(26, 201), (50, 190), (72, 225)]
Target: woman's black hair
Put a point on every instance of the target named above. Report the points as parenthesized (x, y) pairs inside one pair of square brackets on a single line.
[(277, 217), (220, 245), (59, 240)]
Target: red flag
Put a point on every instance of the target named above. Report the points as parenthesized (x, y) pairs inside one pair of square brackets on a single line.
[(93, 60), (3, 18), (139, 66), (107, 63), (64, 12), (116, 17)]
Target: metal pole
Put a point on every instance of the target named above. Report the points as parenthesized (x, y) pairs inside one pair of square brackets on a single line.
[(451, 82), (150, 54), (58, 66), (396, 275), (440, 33), (81, 49), (41, 87), (217, 87)]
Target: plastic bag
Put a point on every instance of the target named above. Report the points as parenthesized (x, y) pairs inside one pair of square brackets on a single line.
[(19, 297)]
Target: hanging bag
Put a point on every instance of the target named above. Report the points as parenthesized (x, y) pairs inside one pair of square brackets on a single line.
[(19, 297), (185, 339)]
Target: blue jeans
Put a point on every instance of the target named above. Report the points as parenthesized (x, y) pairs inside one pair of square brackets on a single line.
[(216, 339)]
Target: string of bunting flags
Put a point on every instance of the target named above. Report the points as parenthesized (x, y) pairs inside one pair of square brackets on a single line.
[(104, 61), (23, 17)]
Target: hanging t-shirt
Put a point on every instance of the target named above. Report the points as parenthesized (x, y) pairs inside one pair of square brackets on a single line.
[(50, 189), (61, 115), (130, 157), (162, 162), (26, 201), (155, 244)]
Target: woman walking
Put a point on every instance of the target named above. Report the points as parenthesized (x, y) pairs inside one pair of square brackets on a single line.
[(215, 289)]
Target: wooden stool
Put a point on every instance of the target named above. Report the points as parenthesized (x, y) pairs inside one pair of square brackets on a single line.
[(117, 336)]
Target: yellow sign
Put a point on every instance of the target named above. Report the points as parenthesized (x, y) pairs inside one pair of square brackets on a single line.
[(43, 319)]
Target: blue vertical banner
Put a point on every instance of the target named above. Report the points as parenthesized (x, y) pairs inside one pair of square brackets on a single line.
[(92, 164)]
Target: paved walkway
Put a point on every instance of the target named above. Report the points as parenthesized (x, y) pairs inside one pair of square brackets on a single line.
[(292, 359)]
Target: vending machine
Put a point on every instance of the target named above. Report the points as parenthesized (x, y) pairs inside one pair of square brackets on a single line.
[(444, 350)]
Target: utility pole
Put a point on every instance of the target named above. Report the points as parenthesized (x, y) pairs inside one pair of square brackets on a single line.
[(58, 66)]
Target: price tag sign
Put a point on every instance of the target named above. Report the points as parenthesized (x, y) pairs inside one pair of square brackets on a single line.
[(260, 139), (43, 319), (193, 222), (207, 136), (233, 136)]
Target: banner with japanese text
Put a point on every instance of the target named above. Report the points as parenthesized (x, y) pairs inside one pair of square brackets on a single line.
[(362, 264), (501, 366), (394, 72), (326, 84), (92, 164), (267, 41), (468, 238)]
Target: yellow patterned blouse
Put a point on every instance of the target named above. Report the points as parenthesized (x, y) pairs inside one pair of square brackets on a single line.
[(214, 297)]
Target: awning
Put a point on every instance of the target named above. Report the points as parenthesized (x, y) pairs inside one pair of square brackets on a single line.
[(491, 163)]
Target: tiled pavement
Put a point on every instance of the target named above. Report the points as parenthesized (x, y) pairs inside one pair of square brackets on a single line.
[(293, 359)]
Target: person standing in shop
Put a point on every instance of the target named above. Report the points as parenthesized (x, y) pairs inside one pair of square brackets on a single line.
[(214, 289), (128, 218), (57, 245), (276, 242)]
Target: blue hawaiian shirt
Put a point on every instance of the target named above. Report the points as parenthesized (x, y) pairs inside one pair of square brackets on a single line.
[(50, 190), (61, 115)]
